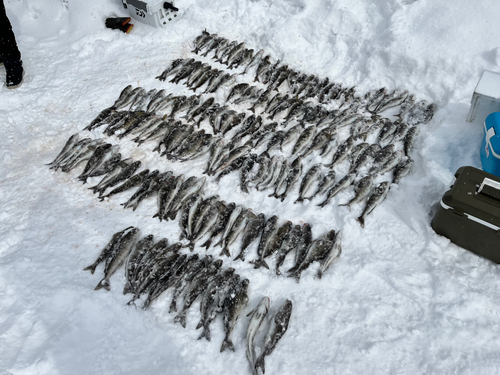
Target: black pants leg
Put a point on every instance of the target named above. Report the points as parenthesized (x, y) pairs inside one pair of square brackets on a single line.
[(8, 46)]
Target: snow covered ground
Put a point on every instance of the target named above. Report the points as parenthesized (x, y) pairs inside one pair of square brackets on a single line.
[(400, 300)]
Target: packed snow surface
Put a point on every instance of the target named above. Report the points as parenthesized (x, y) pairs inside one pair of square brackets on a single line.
[(399, 300)]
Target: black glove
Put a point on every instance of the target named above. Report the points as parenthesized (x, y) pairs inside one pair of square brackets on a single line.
[(119, 23)]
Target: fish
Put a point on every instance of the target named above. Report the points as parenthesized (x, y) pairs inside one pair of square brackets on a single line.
[(134, 258), (390, 164), (292, 177), (274, 243), (196, 288), (410, 139), (401, 170), (318, 250), (70, 143), (245, 171), (129, 183), (376, 197), (257, 317), (387, 130), (252, 231), (191, 186), (346, 181), (281, 180), (234, 304), (270, 229), (289, 243), (118, 257), (225, 212), (302, 247), (278, 327), (235, 213), (308, 182), (235, 231), (361, 190), (326, 183), (108, 249), (304, 139), (342, 152), (333, 254)]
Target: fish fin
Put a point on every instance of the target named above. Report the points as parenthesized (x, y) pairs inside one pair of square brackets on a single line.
[(104, 283), (319, 274), (146, 304), (191, 246), (346, 205), (278, 272), (323, 204), (240, 256), (132, 301), (173, 307), (299, 199), (293, 269), (206, 334), (181, 318), (361, 220), (207, 244), (265, 264), (200, 324), (225, 251), (91, 268), (157, 215), (227, 343), (251, 312), (260, 363)]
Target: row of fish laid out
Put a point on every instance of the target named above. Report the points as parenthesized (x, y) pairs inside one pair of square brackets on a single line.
[(152, 268), (182, 143), (200, 218), (301, 85), (323, 136), (264, 172)]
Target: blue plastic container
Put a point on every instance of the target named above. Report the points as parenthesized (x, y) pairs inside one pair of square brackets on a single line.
[(490, 149)]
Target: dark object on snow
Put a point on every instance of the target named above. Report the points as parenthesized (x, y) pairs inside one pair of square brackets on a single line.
[(9, 53), (119, 23), (167, 6), (469, 213)]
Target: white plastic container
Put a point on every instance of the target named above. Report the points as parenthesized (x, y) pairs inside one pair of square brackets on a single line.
[(152, 12), (486, 97)]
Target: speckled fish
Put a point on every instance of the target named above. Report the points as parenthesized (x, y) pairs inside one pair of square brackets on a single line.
[(292, 177), (225, 212), (309, 180), (342, 184), (401, 170), (236, 301), (342, 152), (257, 317), (410, 139), (108, 249), (318, 250), (120, 252), (270, 229), (289, 243), (361, 190), (326, 183), (376, 197), (235, 231), (277, 329), (333, 254), (252, 232)]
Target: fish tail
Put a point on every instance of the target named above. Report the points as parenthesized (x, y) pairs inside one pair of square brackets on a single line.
[(260, 363), (191, 246), (127, 288), (323, 204), (104, 283), (157, 215), (225, 251), (91, 268), (146, 303), (240, 256), (299, 199), (207, 244), (361, 221), (173, 306), (200, 324), (181, 318), (319, 274), (227, 343), (132, 301), (205, 334)]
